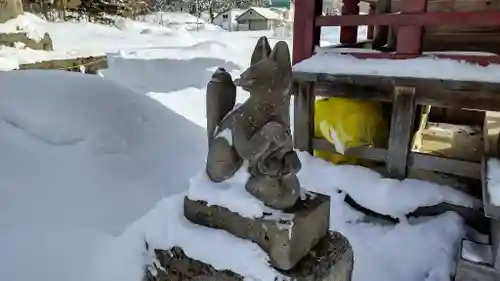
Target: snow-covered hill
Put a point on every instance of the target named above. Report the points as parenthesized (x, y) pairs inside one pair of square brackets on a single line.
[(92, 166)]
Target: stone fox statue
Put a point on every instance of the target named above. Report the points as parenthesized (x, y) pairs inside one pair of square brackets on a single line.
[(257, 131)]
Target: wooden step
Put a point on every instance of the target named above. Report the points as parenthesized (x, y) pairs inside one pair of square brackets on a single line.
[(475, 263)]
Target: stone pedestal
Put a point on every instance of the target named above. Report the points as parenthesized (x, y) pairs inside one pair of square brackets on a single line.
[(330, 260), (10, 9), (286, 236), (10, 39)]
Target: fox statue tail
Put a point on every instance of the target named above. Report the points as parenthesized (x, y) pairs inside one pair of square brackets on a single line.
[(221, 98)]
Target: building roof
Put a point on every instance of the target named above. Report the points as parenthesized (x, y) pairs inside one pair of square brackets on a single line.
[(277, 3), (264, 12)]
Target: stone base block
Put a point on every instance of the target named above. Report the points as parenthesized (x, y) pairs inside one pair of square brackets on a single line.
[(330, 260), (475, 263), (9, 39), (286, 236)]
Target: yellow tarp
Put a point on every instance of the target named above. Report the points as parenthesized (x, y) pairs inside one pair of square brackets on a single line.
[(347, 123)]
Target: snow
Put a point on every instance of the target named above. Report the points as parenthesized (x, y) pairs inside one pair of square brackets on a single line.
[(494, 180), (25, 23), (332, 62), (93, 167)]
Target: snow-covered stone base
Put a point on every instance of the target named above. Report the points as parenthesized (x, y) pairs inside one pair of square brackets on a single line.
[(329, 260)]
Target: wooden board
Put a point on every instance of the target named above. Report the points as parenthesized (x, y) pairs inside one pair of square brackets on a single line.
[(88, 64), (450, 140)]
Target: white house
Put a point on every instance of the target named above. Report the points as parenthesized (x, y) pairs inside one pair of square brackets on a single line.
[(258, 18), (227, 20)]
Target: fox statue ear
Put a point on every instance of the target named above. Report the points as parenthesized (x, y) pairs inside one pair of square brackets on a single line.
[(281, 55), (261, 50)]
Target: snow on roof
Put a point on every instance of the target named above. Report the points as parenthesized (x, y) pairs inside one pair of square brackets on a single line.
[(332, 62), (265, 12)]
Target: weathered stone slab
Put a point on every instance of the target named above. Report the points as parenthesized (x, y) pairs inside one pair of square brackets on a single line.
[(9, 39), (287, 236), (330, 260), (10, 9), (476, 267), (495, 243)]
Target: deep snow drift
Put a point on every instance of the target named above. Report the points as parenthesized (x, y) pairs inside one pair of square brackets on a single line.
[(84, 159), (81, 157)]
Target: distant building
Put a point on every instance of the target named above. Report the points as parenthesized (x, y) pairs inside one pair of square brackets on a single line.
[(227, 19), (285, 8), (258, 18)]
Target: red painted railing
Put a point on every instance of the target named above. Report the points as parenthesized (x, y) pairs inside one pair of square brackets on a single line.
[(410, 21)]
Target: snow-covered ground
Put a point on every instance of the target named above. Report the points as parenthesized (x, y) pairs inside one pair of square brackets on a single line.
[(91, 169)]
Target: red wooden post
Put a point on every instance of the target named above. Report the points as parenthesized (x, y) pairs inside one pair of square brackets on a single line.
[(349, 34), (305, 33), (410, 37), (371, 27)]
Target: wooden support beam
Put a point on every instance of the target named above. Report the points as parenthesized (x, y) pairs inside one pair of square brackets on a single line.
[(403, 115), (480, 18), (415, 160), (409, 37), (349, 34), (303, 116), (306, 33)]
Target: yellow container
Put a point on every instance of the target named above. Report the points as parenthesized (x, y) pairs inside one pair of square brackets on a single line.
[(347, 123)]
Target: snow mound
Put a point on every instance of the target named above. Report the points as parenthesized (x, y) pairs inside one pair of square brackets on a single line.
[(179, 21), (414, 250), (369, 189), (141, 27), (27, 23), (82, 157)]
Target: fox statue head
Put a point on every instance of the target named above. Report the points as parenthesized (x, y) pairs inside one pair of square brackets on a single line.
[(270, 73)]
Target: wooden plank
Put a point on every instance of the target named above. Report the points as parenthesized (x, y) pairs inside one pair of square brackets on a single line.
[(480, 18), (91, 64), (303, 116), (434, 92), (415, 160), (403, 115), (471, 271), (490, 210), (462, 142), (495, 242), (444, 165)]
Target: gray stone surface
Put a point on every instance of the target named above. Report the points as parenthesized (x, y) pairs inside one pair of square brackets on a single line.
[(10, 9), (287, 239), (9, 39), (258, 131), (495, 243), (330, 260), (469, 271)]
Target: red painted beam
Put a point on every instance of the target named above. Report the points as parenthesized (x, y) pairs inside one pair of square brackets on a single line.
[(488, 18), (409, 40), (306, 34), (481, 60), (349, 34)]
